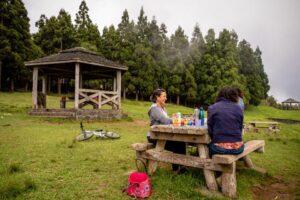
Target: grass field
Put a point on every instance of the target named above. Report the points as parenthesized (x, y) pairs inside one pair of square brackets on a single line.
[(39, 158)]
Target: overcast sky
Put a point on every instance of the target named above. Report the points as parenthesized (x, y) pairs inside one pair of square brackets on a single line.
[(273, 25)]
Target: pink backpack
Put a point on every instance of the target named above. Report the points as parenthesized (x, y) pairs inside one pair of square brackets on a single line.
[(138, 185)]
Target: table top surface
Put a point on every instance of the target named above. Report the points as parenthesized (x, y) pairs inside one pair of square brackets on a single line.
[(193, 130)]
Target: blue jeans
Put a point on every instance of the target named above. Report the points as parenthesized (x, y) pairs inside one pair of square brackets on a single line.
[(213, 149)]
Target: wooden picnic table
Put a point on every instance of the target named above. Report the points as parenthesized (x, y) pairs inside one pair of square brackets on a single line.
[(268, 126), (200, 138)]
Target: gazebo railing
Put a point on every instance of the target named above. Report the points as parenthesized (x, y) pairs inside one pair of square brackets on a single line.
[(98, 98)]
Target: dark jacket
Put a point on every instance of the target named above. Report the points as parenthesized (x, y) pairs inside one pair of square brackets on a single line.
[(225, 121)]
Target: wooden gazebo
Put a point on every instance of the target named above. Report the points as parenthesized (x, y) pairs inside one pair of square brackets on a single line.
[(79, 64), (291, 102)]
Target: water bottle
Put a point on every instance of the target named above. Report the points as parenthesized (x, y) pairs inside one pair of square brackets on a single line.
[(201, 116), (196, 117)]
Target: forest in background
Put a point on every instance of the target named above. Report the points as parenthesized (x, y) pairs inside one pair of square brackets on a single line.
[(191, 70)]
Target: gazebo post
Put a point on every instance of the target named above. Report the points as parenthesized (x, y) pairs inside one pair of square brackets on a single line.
[(115, 83), (119, 87), (44, 84), (80, 80), (35, 75), (77, 80)]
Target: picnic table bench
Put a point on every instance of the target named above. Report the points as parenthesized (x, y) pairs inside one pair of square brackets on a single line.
[(267, 126), (226, 164)]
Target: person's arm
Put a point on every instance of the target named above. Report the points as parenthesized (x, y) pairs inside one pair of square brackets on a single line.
[(242, 121), (159, 117), (210, 122)]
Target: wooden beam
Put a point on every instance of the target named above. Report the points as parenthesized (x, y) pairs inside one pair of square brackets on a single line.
[(179, 130), (59, 86), (115, 84), (186, 160), (77, 72), (204, 139), (44, 84), (35, 75), (229, 180), (119, 79), (120, 67), (142, 146), (208, 174), (250, 146)]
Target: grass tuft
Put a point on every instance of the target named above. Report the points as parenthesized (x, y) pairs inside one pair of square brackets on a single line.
[(71, 144), (29, 184), (11, 189), (14, 168)]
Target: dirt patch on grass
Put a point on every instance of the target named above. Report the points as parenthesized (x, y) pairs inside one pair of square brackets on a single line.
[(142, 123), (275, 189)]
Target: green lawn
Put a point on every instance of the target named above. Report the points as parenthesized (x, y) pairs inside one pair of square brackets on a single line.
[(39, 158)]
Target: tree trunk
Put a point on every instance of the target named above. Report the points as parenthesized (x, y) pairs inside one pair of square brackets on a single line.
[(59, 86), (137, 95), (178, 100), (49, 85), (0, 74), (26, 86), (124, 93), (12, 85)]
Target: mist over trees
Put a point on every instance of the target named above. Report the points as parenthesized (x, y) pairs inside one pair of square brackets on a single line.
[(191, 70)]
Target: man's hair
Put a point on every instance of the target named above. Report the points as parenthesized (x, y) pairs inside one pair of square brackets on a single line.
[(156, 93), (239, 91), (229, 93)]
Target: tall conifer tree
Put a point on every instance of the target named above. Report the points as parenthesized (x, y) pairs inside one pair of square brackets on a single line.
[(15, 42), (87, 33)]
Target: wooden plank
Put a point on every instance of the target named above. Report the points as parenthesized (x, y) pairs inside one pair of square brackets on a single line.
[(228, 180), (250, 146), (248, 162), (88, 98), (44, 85), (203, 139), (179, 130), (119, 79), (208, 174), (186, 160), (35, 75), (152, 164), (99, 99), (142, 146), (110, 99), (257, 122), (95, 91), (77, 72)]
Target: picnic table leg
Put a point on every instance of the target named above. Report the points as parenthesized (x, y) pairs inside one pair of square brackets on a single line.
[(248, 162), (229, 180), (152, 164), (208, 174)]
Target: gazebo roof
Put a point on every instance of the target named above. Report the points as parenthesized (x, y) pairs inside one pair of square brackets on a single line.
[(76, 55), (290, 100)]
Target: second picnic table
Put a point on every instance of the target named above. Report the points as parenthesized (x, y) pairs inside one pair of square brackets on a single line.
[(267, 126)]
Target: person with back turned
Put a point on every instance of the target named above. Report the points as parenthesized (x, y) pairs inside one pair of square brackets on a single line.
[(225, 123)]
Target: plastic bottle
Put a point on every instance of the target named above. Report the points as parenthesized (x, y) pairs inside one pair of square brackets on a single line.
[(179, 118), (176, 118), (201, 116), (196, 117)]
